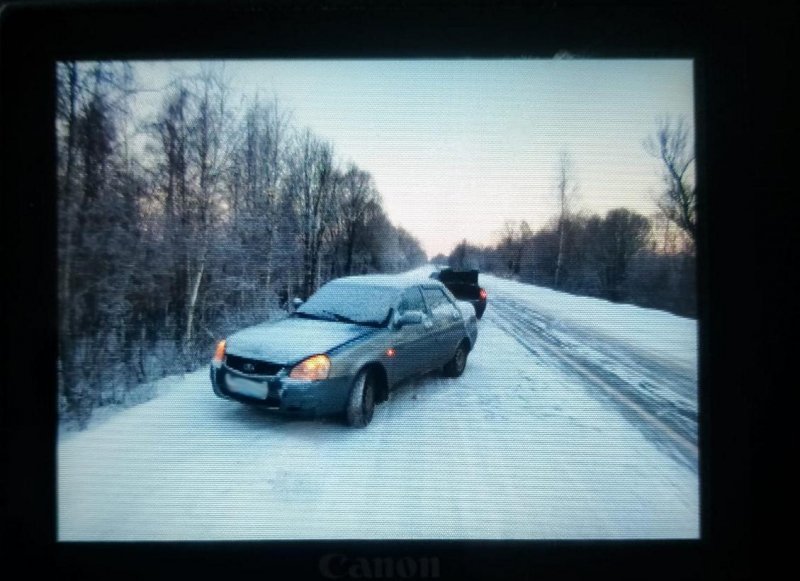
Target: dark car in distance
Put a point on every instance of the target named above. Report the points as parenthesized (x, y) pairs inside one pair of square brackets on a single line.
[(345, 348), (464, 286)]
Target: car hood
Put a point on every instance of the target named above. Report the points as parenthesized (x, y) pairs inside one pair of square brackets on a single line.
[(293, 339)]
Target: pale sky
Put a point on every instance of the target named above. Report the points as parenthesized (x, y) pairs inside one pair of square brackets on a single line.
[(457, 147)]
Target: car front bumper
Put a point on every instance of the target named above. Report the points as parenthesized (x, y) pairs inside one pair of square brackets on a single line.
[(285, 395)]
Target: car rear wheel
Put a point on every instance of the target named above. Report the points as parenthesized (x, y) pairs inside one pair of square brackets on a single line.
[(456, 365), (361, 404)]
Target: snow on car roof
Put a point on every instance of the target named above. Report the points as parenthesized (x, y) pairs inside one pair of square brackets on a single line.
[(386, 280), (362, 298)]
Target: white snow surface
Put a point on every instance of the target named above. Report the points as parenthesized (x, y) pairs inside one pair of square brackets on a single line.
[(515, 448), (658, 333)]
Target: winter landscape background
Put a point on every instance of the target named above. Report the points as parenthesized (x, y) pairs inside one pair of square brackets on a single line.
[(197, 199)]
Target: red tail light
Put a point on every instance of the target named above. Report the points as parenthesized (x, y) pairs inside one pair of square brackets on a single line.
[(483, 294)]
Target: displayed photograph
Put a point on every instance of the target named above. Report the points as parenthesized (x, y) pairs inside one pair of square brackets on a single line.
[(377, 299)]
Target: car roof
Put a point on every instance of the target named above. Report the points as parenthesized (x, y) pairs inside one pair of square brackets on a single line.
[(395, 281)]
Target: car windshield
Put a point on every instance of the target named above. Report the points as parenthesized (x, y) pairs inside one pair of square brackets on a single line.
[(357, 303)]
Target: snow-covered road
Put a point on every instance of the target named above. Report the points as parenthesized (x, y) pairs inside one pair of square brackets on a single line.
[(658, 395), (540, 438)]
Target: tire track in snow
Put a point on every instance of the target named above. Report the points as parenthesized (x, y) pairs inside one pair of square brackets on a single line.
[(668, 392), (680, 383), (671, 425)]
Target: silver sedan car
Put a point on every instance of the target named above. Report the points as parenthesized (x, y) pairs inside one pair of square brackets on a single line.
[(345, 348)]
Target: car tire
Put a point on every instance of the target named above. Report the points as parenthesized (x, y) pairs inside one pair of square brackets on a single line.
[(456, 365), (361, 403)]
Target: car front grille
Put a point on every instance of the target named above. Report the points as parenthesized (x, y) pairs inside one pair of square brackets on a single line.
[(251, 366)]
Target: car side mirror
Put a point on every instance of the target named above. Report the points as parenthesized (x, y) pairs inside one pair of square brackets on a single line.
[(410, 318), (296, 302)]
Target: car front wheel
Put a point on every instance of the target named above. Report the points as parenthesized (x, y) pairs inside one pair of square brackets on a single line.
[(456, 365), (361, 404)]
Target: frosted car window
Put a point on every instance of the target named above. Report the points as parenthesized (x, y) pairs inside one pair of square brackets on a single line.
[(360, 302), (438, 303), (411, 301)]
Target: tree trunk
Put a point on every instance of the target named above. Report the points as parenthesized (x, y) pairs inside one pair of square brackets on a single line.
[(318, 276), (193, 302), (348, 267), (560, 257)]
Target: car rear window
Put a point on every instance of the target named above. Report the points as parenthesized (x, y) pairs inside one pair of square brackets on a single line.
[(438, 302)]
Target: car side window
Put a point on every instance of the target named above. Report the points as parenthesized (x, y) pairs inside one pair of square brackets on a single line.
[(438, 303), (411, 301)]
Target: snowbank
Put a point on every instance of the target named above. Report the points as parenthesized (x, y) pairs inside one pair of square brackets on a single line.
[(660, 334)]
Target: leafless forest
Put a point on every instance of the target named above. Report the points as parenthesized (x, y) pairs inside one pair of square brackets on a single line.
[(179, 226), (623, 256)]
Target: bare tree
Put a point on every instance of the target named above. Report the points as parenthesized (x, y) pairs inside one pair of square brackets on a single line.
[(192, 131), (439, 259), (615, 241), (69, 96), (96, 244), (672, 146), (172, 129), (458, 257), (262, 157), (510, 247), (566, 191), (413, 254), (312, 186), (209, 154), (359, 198), (465, 256)]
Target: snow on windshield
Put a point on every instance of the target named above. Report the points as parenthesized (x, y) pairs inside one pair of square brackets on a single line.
[(359, 302)]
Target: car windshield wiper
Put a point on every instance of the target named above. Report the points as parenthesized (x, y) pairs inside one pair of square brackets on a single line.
[(340, 318), (343, 319), (312, 316)]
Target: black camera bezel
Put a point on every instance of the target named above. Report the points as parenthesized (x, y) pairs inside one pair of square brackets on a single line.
[(36, 36)]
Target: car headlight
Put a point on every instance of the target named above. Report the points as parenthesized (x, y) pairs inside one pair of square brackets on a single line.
[(312, 369), (219, 353)]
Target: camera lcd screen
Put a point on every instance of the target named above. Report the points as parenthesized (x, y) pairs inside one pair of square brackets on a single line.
[(377, 299)]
